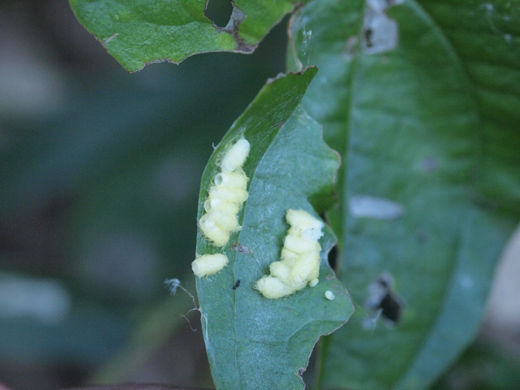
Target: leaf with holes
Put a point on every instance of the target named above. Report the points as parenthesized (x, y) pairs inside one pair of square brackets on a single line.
[(422, 100), (139, 32), (254, 342)]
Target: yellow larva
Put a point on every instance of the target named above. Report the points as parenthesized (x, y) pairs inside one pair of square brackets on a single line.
[(236, 156), (206, 265), (226, 196), (299, 264)]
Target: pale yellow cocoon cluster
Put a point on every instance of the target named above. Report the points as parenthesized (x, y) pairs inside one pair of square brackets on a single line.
[(299, 265), (208, 264), (226, 196)]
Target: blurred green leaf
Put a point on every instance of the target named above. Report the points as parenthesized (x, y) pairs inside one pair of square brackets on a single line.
[(483, 366), (89, 336), (157, 325), (426, 122), (254, 342), (140, 32), (117, 167)]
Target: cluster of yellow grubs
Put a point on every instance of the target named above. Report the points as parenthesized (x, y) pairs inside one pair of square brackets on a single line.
[(299, 264)]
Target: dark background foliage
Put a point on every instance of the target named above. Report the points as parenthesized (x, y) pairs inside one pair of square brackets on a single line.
[(99, 179)]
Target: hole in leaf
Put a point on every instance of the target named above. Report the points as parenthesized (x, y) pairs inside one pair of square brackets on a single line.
[(219, 11), (383, 301), (368, 37), (333, 257), (380, 33), (391, 307)]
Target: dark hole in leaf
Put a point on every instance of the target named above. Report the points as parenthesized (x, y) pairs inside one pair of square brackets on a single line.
[(382, 300), (368, 37), (333, 257), (219, 11), (309, 374), (391, 308)]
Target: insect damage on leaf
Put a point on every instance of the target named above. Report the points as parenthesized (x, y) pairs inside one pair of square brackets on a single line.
[(383, 302), (299, 265), (226, 196), (206, 265), (380, 33)]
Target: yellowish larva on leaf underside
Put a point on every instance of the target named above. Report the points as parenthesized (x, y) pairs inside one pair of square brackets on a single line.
[(206, 265), (226, 195), (236, 156), (299, 264), (225, 198)]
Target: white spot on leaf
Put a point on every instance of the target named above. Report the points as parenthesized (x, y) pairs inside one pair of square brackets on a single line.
[(330, 295), (380, 33), (374, 207)]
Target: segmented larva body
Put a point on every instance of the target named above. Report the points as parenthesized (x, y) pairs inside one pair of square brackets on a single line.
[(206, 265), (226, 196), (299, 264)]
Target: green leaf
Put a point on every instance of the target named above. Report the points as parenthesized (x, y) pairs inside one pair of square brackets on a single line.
[(483, 366), (139, 32), (254, 342), (430, 183)]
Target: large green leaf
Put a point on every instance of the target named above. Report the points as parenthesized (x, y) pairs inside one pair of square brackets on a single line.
[(427, 126), (139, 32), (254, 342)]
